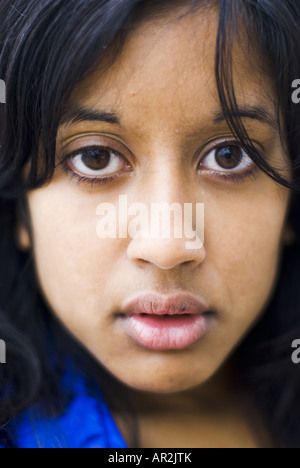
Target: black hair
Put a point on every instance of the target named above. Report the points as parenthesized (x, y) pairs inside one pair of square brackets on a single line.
[(47, 47)]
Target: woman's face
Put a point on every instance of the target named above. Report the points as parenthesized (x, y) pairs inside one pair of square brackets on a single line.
[(157, 113)]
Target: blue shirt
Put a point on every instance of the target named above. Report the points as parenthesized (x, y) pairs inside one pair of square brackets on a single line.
[(86, 423)]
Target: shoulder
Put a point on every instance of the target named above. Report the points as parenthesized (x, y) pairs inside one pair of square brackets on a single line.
[(86, 422)]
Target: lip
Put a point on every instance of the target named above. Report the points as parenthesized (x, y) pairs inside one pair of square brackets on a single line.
[(165, 322)]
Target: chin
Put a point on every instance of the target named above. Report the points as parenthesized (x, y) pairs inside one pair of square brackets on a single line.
[(164, 385)]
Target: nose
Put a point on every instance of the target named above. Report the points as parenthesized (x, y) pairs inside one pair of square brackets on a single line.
[(164, 243), (165, 253)]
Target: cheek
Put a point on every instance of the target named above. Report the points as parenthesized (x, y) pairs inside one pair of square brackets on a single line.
[(243, 247), (73, 264)]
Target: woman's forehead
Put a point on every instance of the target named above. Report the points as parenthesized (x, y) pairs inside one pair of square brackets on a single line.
[(170, 64)]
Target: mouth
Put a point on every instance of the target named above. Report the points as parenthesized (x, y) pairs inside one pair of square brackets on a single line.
[(162, 323)]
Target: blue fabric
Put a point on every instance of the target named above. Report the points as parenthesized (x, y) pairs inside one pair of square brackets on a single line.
[(86, 423)]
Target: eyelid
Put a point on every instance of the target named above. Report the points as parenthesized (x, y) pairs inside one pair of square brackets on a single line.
[(94, 141), (95, 174), (226, 141)]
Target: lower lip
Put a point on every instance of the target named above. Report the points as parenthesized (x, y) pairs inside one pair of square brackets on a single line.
[(162, 333)]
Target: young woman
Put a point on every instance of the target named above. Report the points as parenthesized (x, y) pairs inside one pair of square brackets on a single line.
[(131, 340)]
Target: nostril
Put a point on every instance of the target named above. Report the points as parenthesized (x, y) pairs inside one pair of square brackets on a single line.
[(166, 256)]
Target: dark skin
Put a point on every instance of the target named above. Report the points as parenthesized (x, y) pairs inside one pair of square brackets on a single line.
[(187, 397), (220, 414)]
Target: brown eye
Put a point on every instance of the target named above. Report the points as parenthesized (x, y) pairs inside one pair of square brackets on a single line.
[(96, 162), (96, 159), (229, 157)]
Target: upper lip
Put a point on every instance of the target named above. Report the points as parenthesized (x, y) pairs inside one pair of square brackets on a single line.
[(157, 304)]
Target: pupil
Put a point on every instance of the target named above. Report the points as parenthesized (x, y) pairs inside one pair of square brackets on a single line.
[(96, 159), (229, 157)]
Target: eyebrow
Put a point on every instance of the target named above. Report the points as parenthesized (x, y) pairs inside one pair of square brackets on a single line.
[(80, 114), (250, 112)]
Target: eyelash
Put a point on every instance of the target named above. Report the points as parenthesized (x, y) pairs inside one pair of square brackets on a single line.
[(235, 177), (229, 177), (80, 179), (89, 180)]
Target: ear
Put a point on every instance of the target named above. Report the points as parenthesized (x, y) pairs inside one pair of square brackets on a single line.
[(289, 236), (22, 237)]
